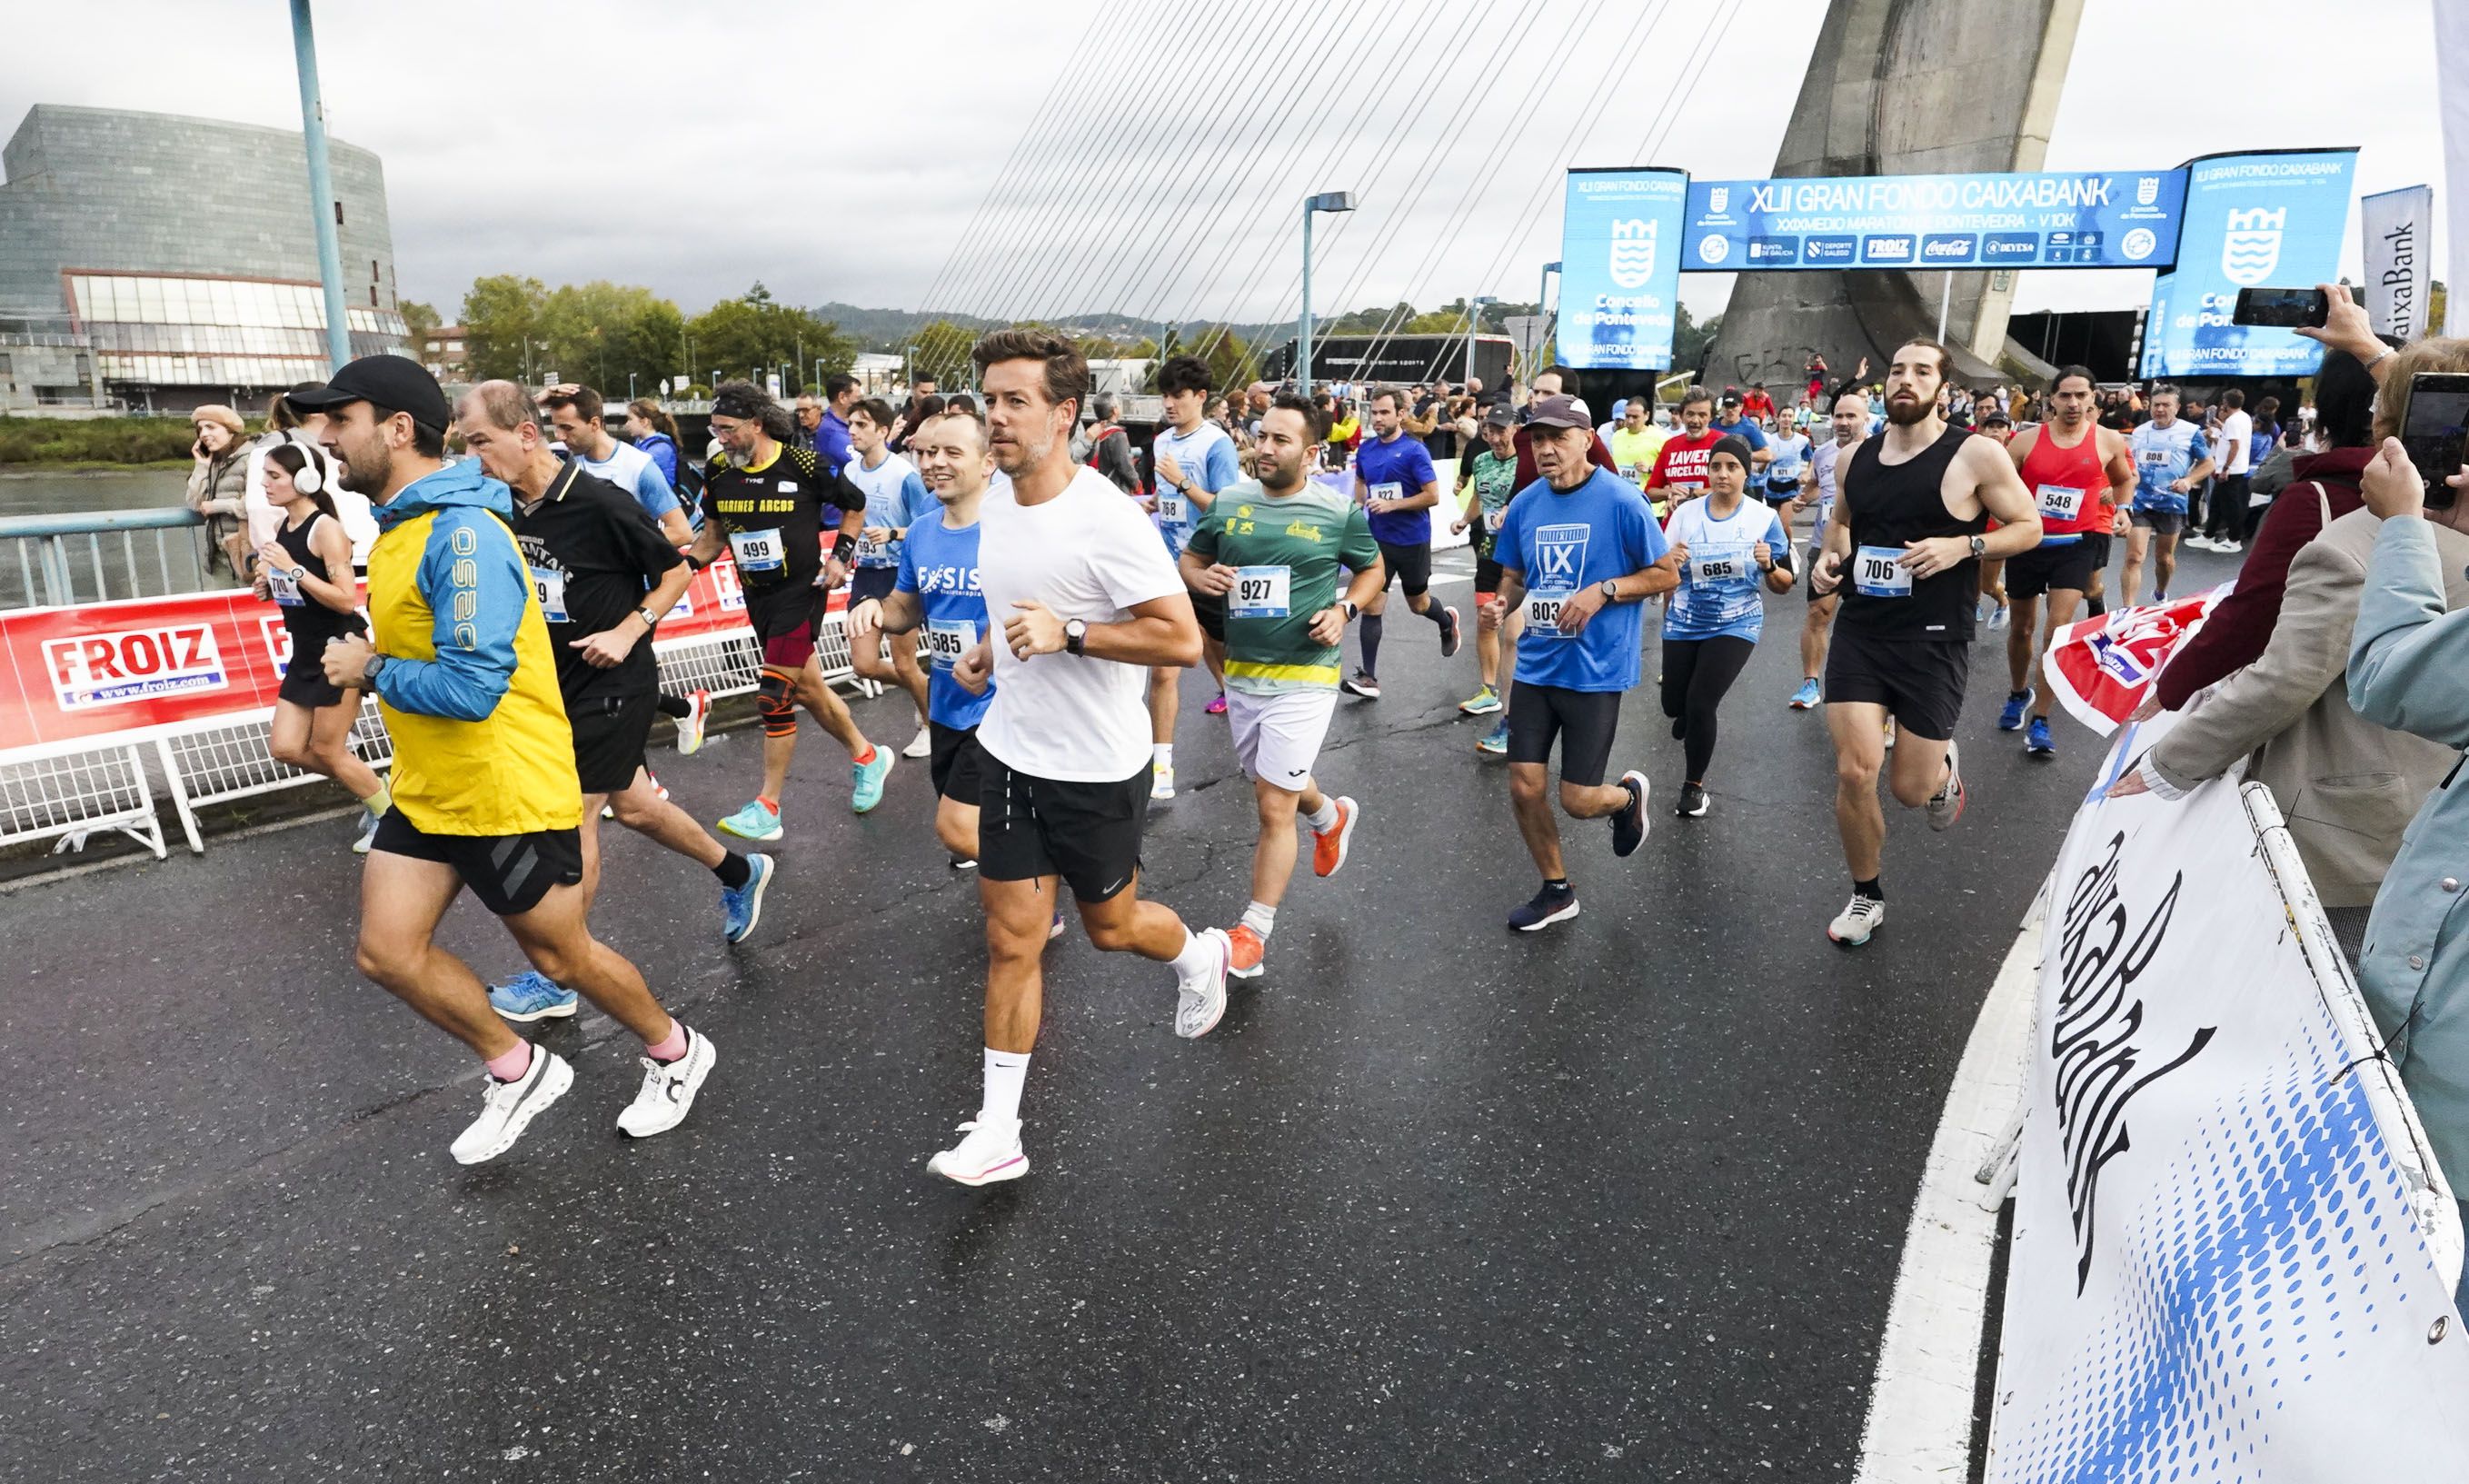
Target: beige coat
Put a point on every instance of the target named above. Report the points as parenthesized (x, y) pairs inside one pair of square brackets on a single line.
[(2347, 786)]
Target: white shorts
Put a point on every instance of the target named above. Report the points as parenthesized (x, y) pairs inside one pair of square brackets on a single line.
[(1277, 736)]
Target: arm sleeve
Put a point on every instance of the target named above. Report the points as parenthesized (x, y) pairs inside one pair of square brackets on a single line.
[(2307, 651), (1221, 468), (476, 586), (1418, 463), (2197, 449), (2408, 656)]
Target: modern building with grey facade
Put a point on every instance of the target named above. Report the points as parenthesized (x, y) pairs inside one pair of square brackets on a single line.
[(154, 260)]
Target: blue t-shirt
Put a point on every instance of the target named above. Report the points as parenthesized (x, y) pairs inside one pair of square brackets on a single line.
[(1404, 463), (1561, 543), (2162, 454), (1719, 596), (940, 565), (1746, 430), (832, 439), (1205, 459), (896, 498)]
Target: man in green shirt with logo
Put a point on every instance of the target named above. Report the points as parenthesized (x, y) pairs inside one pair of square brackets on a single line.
[(1487, 482), (1272, 547)]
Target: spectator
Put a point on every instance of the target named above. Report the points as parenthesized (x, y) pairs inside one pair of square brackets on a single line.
[(1816, 377), (832, 438), (218, 485), (810, 422), (1758, 407), (1109, 447), (656, 434)]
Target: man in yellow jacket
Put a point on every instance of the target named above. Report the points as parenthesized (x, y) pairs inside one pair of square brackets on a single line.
[(485, 790)]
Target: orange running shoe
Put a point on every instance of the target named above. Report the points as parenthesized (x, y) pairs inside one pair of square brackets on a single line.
[(1329, 846), (1244, 962)]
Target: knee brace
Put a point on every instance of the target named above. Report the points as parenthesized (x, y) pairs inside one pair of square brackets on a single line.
[(772, 701)]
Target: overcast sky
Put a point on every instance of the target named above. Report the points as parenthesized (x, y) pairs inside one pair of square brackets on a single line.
[(841, 152)]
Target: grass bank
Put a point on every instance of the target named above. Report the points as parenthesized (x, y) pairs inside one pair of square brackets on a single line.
[(102, 442)]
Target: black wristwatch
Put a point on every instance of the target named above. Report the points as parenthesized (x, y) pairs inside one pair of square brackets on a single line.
[(1076, 634), (1979, 545)]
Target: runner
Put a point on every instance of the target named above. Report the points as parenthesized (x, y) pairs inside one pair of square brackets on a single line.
[(1271, 548), (603, 575), (1596, 553), (1088, 599), (1907, 529), (1994, 423), (1679, 470), (485, 792), (2170, 459), (1194, 459), (763, 503), (1396, 483), (1729, 423), (2080, 475), (895, 496), (1849, 421), (307, 570), (1490, 482), (1789, 450), (1635, 442), (1724, 547), (574, 416)]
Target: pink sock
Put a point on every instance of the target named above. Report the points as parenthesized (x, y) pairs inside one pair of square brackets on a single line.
[(510, 1066), (670, 1048)]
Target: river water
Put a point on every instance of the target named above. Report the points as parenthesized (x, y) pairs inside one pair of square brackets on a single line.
[(132, 560)]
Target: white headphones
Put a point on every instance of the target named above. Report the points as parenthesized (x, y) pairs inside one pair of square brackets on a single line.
[(309, 479)]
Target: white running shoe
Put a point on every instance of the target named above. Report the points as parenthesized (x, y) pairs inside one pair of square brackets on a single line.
[(509, 1108), (989, 1152), (1161, 781), (1852, 926), (1946, 805), (921, 745), (1202, 1001), (669, 1089), (690, 725)]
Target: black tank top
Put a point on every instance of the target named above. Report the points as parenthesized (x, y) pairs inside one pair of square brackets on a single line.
[(310, 623), (1887, 505)]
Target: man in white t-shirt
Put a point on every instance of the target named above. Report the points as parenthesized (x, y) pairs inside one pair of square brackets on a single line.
[(1194, 459), (1817, 476), (574, 415), (1088, 601), (2225, 524)]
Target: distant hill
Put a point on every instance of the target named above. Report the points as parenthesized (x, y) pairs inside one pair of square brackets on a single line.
[(888, 329)]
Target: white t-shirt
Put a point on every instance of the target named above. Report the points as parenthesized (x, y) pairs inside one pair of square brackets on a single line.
[(1822, 465), (1088, 554), (2236, 443)]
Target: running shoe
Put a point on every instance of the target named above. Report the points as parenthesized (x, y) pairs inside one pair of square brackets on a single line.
[(1217, 707), (1890, 734), (1450, 633), (1244, 952), (1946, 805), (531, 996), (740, 908), (368, 833), (1854, 924), (1807, 697), (2227, 546), (1330, 846), (669, 1088), (2037, 741), (2000, 618), (2200, 543), (1693, 803), (690, 725), (2011, 719), (1553, 904), (1361, 683), (989, 1151), (757, 820), (964, 863), (508, 1108), (921, 745), (1054, 929), (1161, 781), (866, 781), (1482, 703), (1493, 743), (1629, 822), (1201, 1001)]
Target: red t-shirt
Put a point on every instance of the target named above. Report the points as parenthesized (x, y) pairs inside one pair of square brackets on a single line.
[(1682, 465), (1527, 474), (1757, 404)]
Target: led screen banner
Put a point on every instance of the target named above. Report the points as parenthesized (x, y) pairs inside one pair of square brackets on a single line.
[(2253, 220), (2054, 220), (1620, 266)]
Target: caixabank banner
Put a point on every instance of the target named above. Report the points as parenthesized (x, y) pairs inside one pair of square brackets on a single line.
[(1620, 266), (2253, 220), (2013, 219)]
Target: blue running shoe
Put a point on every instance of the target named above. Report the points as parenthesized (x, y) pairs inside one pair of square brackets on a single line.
[(2011, 719), (743, 908), (1495, 742), (1807, 697), (866, 781), (533, 996), (2037, 742), (757, 820)]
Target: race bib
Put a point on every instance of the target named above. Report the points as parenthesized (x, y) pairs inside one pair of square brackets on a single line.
[(947, 640), (1260, 592), (2059, 503), (1492, 518), (1636, 474), (1391, 490), (1173, 508), (551, 588), (869, 549), (1878, 573), (758, 551), (1721, 564), (1543, 611), (280, 587)]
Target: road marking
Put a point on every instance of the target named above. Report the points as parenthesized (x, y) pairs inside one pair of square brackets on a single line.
[(1921, 1404)]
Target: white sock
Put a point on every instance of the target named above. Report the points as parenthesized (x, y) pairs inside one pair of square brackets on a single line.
[(1195, 959), (1326, 819), (1006, 1073), (1163, 755), (1261, 918)]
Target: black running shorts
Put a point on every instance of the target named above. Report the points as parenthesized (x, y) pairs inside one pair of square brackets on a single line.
[(509, 874), (1209, 607), (958, 764), (1087, 833), (2164, 522), (2067, 566), (1411, 565), (873, 582), (610, 735), (305, 683), (1919, 681), (1583, 721)]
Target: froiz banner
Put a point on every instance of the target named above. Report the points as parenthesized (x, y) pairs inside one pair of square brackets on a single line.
[(1620, 266), (2253, 220), (2069, 220), (2230, 1258), (2396, 227)]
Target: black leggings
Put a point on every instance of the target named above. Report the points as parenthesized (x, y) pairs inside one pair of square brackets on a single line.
[(1696, 674)]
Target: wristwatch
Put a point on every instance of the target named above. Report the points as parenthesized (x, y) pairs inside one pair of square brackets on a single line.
[(651, 619), (1350, 609), (369, 671), (298, 572), (1612, 591), (1076, 634), (1979, 545)]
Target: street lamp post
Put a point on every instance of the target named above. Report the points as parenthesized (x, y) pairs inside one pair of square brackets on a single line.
[(1474, 322), (321, 186), (1327, 200)]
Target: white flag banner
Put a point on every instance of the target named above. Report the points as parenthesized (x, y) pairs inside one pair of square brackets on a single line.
[(2451, 95), (2234, 1257), (2398, 228)]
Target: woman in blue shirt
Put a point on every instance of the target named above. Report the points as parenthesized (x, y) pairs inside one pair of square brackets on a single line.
[(1727, 546)]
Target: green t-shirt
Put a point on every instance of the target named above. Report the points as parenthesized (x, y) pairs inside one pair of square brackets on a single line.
[(1286, 553), (1495, 481)]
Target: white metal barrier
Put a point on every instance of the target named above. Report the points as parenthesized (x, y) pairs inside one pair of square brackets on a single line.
[(68, 790)]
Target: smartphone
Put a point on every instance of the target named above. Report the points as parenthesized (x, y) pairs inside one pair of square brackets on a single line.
[(2288, 308), (2435, 429)]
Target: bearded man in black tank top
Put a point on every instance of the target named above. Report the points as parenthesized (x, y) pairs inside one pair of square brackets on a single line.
[(1904, 546)]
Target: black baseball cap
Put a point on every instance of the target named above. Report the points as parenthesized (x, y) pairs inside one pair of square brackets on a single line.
[(397, 383)]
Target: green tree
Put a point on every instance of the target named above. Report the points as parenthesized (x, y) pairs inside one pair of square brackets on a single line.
[(421, 317), (501, 321), (941, 349), (604, 333), (753, 333)]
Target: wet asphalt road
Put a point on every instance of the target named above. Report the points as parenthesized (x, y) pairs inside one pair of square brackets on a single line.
[(1621, 1200)]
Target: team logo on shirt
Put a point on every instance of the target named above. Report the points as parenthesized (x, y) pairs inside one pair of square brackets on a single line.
[(2252, 248), (1559, 555), (1632, 263)]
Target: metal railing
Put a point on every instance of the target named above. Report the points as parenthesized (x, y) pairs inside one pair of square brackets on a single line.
[(91, 556)]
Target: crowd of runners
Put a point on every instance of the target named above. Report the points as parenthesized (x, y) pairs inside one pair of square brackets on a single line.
[(1009, 568)]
